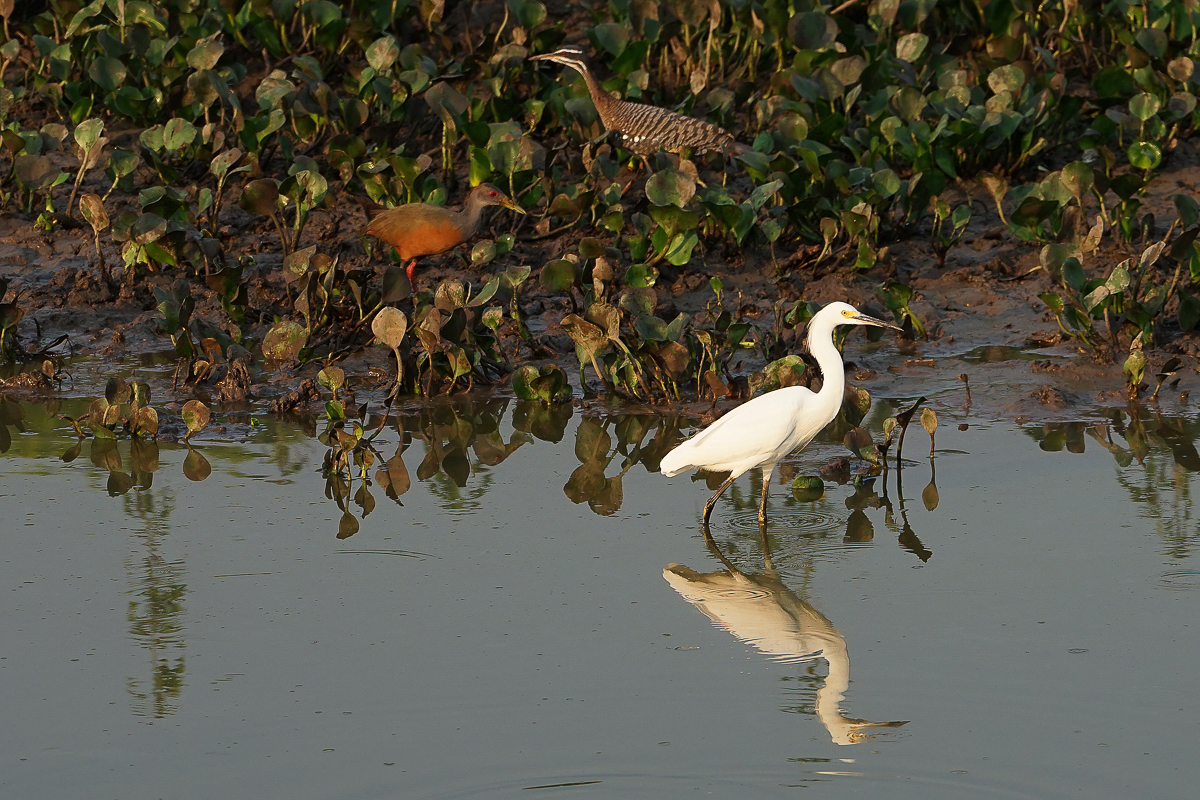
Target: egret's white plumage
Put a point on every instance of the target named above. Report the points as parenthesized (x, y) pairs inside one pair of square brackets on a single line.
[(761, 432)]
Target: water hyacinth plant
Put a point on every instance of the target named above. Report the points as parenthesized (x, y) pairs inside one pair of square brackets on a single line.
[(857, 124)]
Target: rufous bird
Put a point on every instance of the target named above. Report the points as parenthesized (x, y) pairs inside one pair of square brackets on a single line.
[(423, 229)]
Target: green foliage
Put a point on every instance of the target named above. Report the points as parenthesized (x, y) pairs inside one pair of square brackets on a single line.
[(284, 341), (546, 384), (896, 296), (458, 334), (948, 225), (807, 488), (125, 408), (1134, 298), (10, 314), (195, 417), (637, 354), (858, 121), (231, 291), (176, 305)]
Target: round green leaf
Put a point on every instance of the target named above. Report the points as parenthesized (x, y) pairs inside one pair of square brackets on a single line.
[(1078, 177), (108, 73), (1113, 83), (808, 488), (1144, 106), (1053, 301), (1005, 49), (515, 276), (1144, 155), (87, 133), (178, 134), (1009, 78), (148, 228), (1153, 41), (145, 421), (640, 276), (521, 379), (1033, 210), (260, 196), (483, 253), (911, 46), (679, 252), (205, 54), (670, 187), (848, 70), (284, 341), (116, 391), (223, 161), (557, 276), (812, 30), (396, 286), (195, 416), (591, 247), (382, 53), (612, 36), (35, 171), (1187, 208), (886, 182), (1181, 105), (650, 328), (447, 102), (909, 103), (332, 378), (531, 14)]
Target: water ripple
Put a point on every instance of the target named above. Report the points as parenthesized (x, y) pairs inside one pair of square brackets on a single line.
[(808, 522), (1181, 580)]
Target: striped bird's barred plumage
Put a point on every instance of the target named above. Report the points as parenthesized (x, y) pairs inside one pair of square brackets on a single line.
[(646, 129)]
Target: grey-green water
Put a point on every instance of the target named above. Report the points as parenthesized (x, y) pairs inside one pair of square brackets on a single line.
[(167, 637)]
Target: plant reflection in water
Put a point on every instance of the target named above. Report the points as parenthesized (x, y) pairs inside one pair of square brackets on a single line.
[(155, 610), (1161, 486), (463, 440)]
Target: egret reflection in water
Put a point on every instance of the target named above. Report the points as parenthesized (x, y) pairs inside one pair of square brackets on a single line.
[(763, 612)]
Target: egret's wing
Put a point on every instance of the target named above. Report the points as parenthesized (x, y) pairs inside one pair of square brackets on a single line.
[(746, 436)]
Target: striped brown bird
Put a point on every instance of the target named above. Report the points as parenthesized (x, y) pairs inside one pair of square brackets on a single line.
[(423, 229), (645, 129)]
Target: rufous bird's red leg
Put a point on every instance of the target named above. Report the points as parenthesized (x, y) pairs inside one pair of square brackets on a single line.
[(412, 266)]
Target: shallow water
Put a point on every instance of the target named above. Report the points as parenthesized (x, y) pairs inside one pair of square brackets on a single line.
[(532, 615)]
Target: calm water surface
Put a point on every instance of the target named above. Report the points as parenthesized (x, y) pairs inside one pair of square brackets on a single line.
[(535, 618)]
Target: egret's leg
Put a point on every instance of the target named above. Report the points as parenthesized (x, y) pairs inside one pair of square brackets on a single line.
[(712, 501), (766, 487)]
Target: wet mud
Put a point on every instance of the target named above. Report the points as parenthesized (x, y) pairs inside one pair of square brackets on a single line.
[(979, 305)]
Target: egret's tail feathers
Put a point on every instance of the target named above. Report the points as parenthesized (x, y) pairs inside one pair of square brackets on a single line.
[(675, 461)]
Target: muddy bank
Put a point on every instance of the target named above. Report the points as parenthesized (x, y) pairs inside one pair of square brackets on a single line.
[(980, 309)]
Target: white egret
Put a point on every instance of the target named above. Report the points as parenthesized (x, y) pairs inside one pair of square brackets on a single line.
[(761, 432)]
